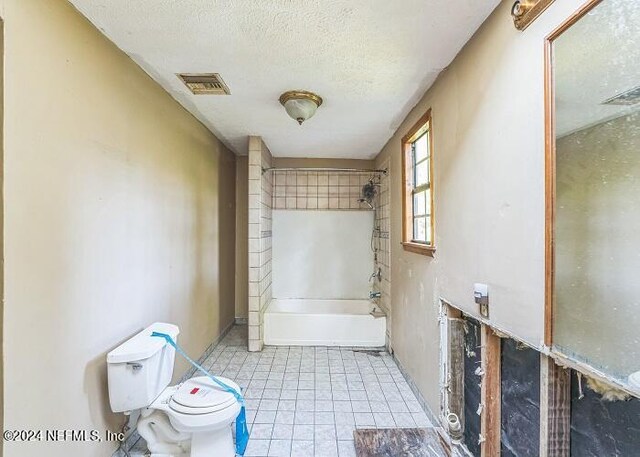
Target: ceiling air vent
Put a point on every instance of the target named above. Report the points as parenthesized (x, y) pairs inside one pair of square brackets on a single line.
[(630, 97), (204, 83)]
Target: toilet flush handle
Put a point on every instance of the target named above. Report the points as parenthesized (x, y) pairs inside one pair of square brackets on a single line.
[(135, 366)]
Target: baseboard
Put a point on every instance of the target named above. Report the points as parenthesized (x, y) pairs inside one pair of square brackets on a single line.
[(242, 321), (206, 353), (457, 449), (133, 437), (432, 417)]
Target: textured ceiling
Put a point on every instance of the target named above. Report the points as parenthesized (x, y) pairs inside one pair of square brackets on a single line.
[(371, 61)]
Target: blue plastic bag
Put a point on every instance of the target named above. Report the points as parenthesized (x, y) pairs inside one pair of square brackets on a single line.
[(242, 432)]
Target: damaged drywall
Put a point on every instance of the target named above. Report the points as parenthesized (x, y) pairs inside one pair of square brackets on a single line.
[(520, 400), (472, 389), (602, 428)]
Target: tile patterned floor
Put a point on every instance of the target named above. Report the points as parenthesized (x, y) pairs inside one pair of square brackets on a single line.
[(306, 401)]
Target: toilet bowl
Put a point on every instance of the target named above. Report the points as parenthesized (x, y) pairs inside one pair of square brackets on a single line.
[(199, 415), (192, 419)]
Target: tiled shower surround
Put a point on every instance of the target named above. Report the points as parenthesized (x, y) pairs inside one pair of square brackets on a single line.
[(306, 190), (311, 190), (335, 190), (260, 201), (382, 244)]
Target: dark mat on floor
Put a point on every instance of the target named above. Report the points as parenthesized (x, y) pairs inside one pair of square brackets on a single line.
[(396, 442)]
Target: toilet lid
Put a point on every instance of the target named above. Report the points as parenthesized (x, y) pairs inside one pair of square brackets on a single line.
[(202, 396)]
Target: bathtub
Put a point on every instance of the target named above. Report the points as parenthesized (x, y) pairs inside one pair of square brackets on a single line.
[(308, 322)]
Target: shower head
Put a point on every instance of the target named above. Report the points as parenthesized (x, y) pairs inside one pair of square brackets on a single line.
[(369, 191), (363, 200)]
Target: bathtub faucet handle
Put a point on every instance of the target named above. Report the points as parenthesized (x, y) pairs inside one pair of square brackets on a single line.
[(373, 294), (376, 275)]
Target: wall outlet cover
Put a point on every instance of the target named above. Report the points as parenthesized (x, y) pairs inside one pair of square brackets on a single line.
[(481, 297)]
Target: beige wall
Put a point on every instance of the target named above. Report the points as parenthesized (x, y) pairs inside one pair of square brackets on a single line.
[(119, 211), (1, 228), (242, 236), (597, 240), (488, 123)]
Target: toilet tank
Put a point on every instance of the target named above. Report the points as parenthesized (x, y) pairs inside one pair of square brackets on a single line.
[(140, 368)]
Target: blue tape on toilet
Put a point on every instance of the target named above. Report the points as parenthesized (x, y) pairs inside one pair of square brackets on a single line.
[(242, 432)]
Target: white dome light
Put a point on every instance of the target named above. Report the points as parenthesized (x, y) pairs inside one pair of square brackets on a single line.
[(300, 104)]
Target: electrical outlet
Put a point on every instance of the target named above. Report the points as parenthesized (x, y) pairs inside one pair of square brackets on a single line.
[(481, 296)]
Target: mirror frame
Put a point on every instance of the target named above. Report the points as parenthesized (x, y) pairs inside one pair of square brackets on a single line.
[(550, 207), (550, 167)]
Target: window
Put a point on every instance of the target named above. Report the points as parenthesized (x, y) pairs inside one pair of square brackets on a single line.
[(417, 179)]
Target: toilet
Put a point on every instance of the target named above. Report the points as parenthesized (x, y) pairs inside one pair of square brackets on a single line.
[(634, 381), (192, 419)]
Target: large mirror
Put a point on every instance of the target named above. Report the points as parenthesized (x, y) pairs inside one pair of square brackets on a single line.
[(594, 80)]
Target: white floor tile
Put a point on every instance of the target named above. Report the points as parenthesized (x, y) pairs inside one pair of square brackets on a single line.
[(346, 449), (324, 432), (285, 417), (306, 401), (326, 449), (280, 448), (345, 432), (265, 417), (404, 419), (302, 448), (303, 432), (261, 431), (257, 448), (282, 432)]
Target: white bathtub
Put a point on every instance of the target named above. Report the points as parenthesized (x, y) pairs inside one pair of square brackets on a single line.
[(304, 322)]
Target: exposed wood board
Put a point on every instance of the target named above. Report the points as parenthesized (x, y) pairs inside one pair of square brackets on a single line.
[(555, 409), (455, 390), (490, 417)]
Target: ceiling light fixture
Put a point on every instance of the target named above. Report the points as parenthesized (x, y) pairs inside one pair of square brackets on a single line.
[(300, 104)]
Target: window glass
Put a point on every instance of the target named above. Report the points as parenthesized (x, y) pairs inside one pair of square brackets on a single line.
[(417, 163), (422, 147), (420, 203), (422, 173), (420, 229)]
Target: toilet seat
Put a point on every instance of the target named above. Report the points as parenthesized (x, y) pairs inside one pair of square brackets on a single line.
[(215, 410), (201, 396)]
